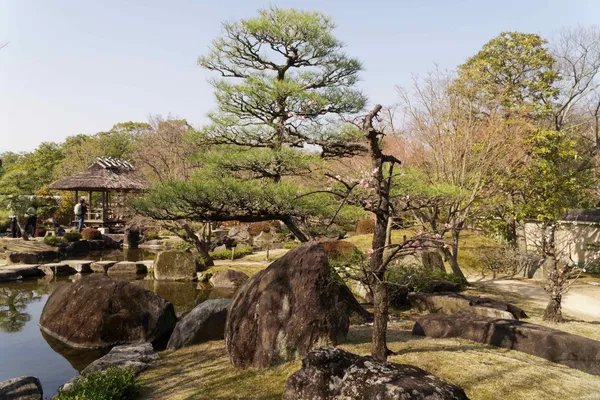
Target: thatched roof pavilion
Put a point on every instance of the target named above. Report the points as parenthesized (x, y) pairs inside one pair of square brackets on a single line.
[(106, 175)]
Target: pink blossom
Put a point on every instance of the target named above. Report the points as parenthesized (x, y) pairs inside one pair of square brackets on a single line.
[(299, 193), (370, 251), (397, 261), (447, 226), (338, 177)]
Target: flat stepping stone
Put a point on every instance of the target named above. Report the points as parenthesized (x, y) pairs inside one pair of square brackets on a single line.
[(81, 266), (7, 275), (128, 267), (57, 269), (102, 266), (25, 270)]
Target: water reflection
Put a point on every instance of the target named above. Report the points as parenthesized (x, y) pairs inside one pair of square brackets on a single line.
[(78, 358), (14, 299), (26, 350)]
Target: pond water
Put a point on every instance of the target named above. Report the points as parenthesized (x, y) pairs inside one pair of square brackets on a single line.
[(25, 350)]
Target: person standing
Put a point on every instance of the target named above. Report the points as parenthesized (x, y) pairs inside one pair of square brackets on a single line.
[(80, 210), (31, 225)]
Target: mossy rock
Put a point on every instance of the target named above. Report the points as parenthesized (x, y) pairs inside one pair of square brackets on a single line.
[(175, 265)]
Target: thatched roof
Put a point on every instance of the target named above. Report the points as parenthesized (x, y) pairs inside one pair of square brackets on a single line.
[(105, 174)]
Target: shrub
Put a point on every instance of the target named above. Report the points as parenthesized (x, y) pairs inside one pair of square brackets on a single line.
[(151, 235), (91, 234), (365, 226), (72, 236), (113, 384), (290, 246), (508, 261), (226, 254), (338, 248), (255, 228), (405, 279), (52, 240)]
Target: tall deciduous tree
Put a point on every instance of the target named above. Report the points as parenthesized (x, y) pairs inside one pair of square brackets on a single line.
[(455, 148), (285, 86)]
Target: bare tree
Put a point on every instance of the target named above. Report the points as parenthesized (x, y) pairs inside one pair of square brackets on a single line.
[(456, 147), (165, 153), (577, 55)]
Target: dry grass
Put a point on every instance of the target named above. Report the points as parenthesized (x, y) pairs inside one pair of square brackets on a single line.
[(204, 372), (485, 373), (471, 244), (248, 269)]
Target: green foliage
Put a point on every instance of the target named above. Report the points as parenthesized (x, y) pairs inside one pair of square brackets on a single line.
[(91, 234), (112, 384), (53, 240), (26, 173), (289, 246), (404, 279), (513, 72), (151, 235), (240, 252), (228, 199), (72, 236), (559, 178)]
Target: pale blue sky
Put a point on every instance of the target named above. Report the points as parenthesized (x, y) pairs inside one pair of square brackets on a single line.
[(80, 66)]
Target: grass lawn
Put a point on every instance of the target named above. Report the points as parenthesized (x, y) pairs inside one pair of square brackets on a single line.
[(485, 373), (470, 246)]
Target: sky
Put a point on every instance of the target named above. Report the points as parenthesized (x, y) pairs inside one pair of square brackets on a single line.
[(80, 66)]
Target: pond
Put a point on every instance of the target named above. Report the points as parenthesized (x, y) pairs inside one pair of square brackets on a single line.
[(25, 350)]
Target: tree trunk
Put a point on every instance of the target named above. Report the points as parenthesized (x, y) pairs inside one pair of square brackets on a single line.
[(388, 231), (555, 284), (452, 255), (553, 312), (24, 234), (202, 246), (511, 231), (379, 349), (295, 229)]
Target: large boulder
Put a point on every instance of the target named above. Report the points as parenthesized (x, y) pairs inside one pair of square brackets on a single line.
[(98, 312), (448, 303), (205, 322), (175, 265), (331, 373), (228, 279), (293, 305), (23, 388), (557, 346)]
